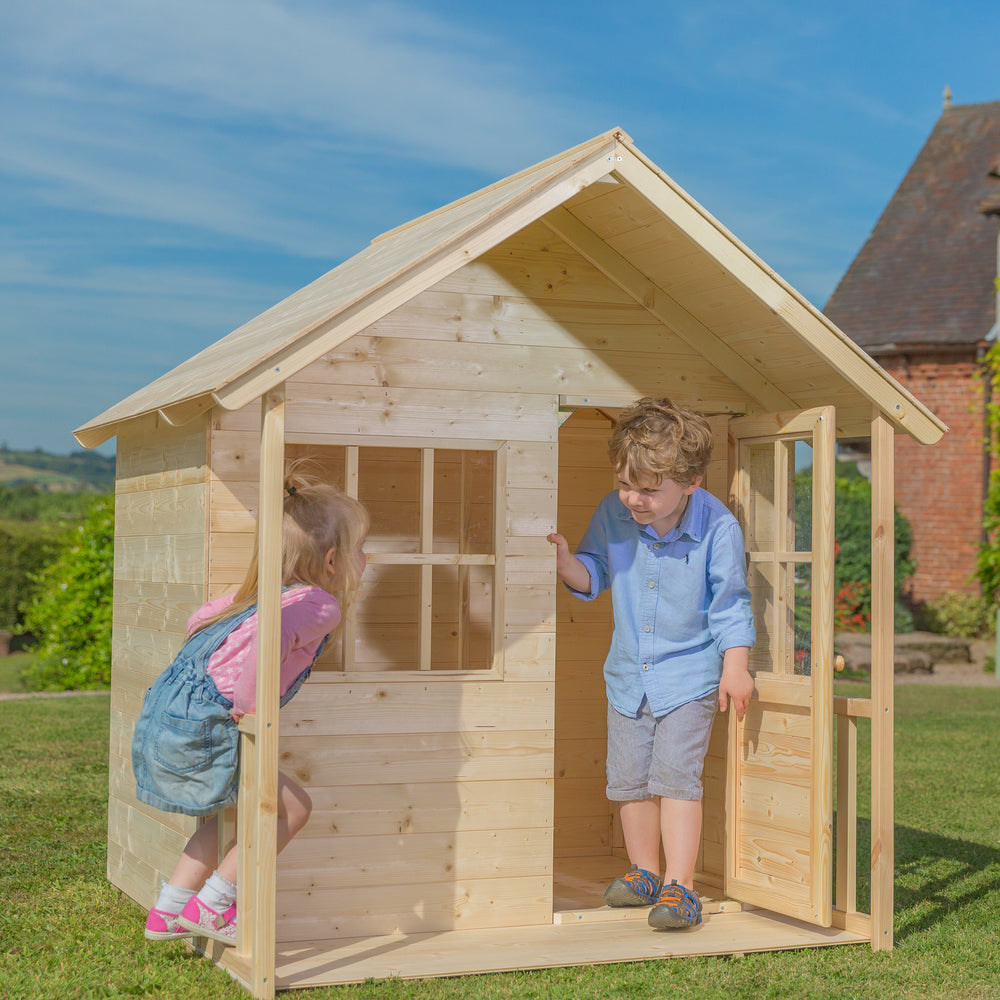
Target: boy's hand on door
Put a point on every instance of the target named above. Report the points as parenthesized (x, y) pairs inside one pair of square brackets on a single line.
[(736, 683)]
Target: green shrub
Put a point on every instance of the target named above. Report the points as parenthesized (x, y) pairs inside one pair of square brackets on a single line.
[(24, 550), (988, 560), (70, 610), (852, 571), (967, 616)]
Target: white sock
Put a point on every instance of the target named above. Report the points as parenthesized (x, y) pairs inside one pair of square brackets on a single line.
[(172, 898), (217, 893)]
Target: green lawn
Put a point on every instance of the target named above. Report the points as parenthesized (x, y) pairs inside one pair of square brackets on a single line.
[(66, 933)]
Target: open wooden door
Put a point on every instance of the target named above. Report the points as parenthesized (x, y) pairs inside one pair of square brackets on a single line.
[(779, 823)]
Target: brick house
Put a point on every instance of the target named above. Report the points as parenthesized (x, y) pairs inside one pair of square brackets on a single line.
[(920, 298)]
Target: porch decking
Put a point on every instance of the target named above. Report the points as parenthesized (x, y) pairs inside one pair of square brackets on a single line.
[(584, 932)]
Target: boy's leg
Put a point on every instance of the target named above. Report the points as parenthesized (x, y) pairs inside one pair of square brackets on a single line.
[(641, 828), (680, 825), (630, 743), (679, 751)]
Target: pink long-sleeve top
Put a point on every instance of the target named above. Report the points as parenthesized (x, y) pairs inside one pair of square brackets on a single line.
[(307, 615)]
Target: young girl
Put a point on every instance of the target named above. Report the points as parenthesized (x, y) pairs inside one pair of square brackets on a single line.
[(185, 748)]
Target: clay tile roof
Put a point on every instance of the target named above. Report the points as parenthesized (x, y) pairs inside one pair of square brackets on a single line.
[(925, 275)]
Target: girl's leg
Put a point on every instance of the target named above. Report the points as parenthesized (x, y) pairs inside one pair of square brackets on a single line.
[(641, 827), (294, 808), (199, 858), (201, 855)]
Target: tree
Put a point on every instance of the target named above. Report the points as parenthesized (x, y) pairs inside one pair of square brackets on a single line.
[(70, 609)]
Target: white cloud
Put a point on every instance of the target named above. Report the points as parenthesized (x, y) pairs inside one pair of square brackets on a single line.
[(224, 117), (383, 71)]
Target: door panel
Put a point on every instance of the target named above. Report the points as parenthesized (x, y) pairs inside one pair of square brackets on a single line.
[(780, 795)]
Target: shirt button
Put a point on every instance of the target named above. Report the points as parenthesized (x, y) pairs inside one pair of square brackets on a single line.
[(645, 628), (651, 584), (645, 666), (657, 545)]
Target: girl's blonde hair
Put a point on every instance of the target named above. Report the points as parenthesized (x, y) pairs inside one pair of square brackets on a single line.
[(317, 517), (657, 439)]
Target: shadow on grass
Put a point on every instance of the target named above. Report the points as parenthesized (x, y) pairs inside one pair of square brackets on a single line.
[(938, 878)]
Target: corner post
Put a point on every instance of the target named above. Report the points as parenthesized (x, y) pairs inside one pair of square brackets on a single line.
[(883, 679), (258, 813)]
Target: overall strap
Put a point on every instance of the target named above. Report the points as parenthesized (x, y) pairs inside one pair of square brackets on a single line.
[(204, 643)]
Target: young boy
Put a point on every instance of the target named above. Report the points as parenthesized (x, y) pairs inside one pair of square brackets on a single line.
[(674, 559)]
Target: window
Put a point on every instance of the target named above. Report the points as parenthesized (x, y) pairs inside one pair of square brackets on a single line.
[(429, 598)]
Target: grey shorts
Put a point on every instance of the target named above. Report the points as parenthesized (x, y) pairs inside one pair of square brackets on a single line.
[(648, 757)]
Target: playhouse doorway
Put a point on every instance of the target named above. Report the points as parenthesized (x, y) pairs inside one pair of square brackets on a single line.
[(588, 845), (766, 836)]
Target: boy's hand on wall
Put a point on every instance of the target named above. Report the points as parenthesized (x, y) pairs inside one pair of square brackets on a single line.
[(569, 569), (562, 546)]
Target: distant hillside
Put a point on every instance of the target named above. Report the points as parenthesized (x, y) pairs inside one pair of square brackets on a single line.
[(82, 472)]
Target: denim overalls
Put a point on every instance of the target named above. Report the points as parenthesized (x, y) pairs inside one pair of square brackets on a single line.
[(185, 751)]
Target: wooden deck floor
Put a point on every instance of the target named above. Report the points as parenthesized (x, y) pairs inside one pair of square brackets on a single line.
[(583, 932), (454, 953)]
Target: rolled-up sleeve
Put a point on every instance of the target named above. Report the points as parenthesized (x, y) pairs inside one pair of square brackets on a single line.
[(593, 553)]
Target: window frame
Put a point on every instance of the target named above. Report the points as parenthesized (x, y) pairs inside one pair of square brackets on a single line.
[(426, 559)]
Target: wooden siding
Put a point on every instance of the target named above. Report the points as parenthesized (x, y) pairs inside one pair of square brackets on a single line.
[(447, 752), (160, 528)]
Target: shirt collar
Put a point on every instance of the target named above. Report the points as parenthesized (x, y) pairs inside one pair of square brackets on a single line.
[(691, 523)]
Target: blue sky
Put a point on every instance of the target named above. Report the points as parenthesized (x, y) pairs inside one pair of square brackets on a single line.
[(170, 169)]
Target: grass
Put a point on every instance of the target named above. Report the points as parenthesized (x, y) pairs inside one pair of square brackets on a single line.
[(66, 933)]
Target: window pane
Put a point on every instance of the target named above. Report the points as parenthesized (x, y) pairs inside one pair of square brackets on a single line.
[(388, 618), (325, 463), (761, 510), (463, 502), (463, 618), (389, 486)]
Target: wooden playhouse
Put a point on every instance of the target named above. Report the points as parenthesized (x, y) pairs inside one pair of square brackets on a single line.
[(459, 375)]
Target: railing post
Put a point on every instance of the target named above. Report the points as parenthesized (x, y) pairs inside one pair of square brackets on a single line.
[(883, 678), (847, 813)]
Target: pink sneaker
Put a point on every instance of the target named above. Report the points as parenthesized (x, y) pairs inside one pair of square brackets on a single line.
[(163, 926), (203, 921)]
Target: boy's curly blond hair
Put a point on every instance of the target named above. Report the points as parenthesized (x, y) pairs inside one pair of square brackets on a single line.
[(657, 439)]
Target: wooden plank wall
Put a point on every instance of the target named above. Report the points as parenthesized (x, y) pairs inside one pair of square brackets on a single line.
[(433, 796), (585, 819), (160, 520)]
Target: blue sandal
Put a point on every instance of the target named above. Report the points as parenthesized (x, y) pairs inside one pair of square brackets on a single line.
[(675, 907), (638, 888)]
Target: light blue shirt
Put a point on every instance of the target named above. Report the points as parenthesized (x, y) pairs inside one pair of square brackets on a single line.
[(680, 601)]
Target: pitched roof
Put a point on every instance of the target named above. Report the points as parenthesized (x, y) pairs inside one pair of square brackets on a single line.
[(620, 212), (925, 275)]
